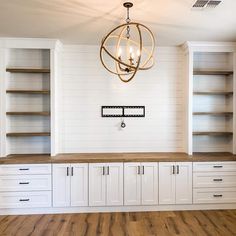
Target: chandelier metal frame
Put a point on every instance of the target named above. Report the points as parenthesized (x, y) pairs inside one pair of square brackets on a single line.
[(122, 68)]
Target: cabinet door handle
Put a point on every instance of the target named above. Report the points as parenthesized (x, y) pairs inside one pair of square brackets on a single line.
[(24, 200), (138, 170), (108, 170), (24, 169), (217, 180), (217, 195), (72, 171), (143, 170), (103, 170), (217, 166), (24, 183), (173, 169), (177, 169), (67, 171)]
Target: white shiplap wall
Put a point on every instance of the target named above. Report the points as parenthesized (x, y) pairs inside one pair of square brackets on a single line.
[(85, 86)]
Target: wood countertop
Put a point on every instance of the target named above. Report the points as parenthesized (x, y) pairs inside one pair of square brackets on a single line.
[(141, 157), (25, 159), (116, 157)]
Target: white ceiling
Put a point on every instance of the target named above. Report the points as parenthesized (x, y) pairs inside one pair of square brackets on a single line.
[(85, 22)]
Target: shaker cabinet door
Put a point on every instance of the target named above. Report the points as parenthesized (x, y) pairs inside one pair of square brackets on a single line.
[(61, 185)]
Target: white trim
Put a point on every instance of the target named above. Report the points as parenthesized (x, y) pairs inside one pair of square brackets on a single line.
[(234, 104), (63, 210), (30, 43), (209, 46), (190, 103), (3, 54)]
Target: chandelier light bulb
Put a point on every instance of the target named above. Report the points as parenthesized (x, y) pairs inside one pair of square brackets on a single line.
[(130, 50), (138, 52), (119, 52)]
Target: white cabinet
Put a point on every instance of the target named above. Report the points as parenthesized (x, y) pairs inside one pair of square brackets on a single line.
[(106, 184), (114, 184), (25, 169), (132, 184), (25, 199), (184, 186), (25, 186), (149, 183), (79, 185), (141, 183), (175, 183), (61, 185), (214, 182), (70, 185), (97, 182), (166, 183)]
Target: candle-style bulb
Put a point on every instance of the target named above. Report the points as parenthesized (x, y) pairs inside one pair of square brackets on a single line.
[(132, 55), (130, 50), (138, 52), (119, 52)]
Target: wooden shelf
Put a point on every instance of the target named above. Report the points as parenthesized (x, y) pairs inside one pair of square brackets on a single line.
[(24, 113), (28, 134), (212, 72), (28, 91), (213, 133), (212, 93), (213, 113), (28, 70)]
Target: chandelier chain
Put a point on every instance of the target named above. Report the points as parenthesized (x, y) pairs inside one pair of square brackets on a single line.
[(128, 21)]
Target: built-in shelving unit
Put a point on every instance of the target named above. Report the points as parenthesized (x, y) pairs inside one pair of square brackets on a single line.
[(29, 74), (211, 103), (28, 101)]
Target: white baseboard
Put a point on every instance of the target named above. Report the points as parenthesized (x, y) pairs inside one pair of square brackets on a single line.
[(62, 210)]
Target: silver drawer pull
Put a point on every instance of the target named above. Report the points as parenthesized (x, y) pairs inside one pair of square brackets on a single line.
[(24, 183), (217, 195), (173, 170), (24, 200), (139, 171), (218, 180), (24, 169), (217, 166)]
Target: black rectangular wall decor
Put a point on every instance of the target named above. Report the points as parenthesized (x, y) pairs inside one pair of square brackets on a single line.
[(123, 111)]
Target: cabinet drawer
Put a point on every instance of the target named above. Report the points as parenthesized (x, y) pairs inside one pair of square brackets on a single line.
[(28, 169), (25, 199), (214, 195), (214, 166), (25, 182), (214, 179)]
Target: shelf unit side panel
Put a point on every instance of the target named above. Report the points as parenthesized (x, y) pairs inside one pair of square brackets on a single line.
[(234, 103)]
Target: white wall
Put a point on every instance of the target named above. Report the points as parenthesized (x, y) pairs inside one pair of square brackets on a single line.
[(85, 86)]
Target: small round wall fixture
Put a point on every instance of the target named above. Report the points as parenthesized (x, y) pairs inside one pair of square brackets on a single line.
[(128, 48)]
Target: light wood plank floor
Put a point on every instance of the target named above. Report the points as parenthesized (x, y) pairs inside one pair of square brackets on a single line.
[(187, 223)]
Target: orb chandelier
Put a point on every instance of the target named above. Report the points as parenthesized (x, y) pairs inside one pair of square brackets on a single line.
[(128, 48)]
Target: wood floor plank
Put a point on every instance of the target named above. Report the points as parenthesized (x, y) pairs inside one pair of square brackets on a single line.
[(182, 223)]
